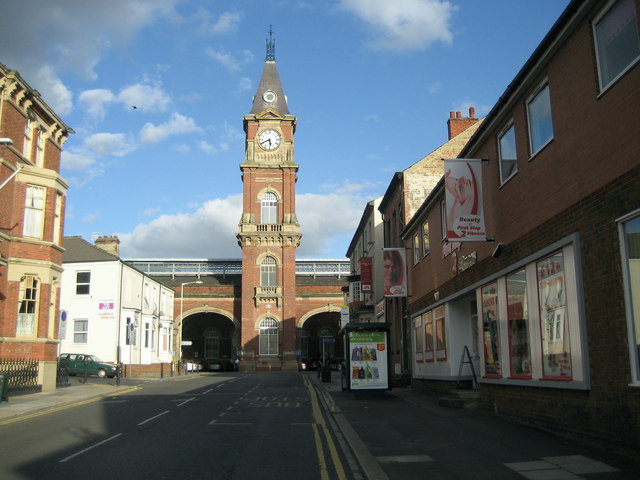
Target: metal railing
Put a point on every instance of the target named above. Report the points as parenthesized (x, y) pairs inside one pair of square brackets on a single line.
[(22, 374)]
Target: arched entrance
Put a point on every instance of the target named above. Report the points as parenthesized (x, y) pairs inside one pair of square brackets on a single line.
[(318, 336), (209, 339)]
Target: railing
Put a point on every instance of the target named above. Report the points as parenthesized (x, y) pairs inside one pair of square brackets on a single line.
[(22, 374)]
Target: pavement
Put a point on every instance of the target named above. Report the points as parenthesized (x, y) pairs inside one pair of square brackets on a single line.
[(404, 434)]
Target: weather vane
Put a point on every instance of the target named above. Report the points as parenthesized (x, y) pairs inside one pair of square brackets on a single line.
[(271, 45)]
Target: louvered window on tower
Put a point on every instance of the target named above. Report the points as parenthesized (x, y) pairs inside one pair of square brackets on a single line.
[(269, 211)]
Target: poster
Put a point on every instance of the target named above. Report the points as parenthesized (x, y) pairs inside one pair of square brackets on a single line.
[(395, 272), (463, 198), (368, 360)]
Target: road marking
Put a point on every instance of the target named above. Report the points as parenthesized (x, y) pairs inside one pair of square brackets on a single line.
[(90, 448), (215, 422), (404, 458), (319, 421), (186, 401), (153, 418), (210, 390)]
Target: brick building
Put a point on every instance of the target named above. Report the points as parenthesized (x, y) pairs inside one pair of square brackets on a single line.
[(404, 195), (32, 203), (548, 305)]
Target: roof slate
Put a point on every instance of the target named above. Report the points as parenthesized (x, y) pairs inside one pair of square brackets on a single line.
[(77, 250)]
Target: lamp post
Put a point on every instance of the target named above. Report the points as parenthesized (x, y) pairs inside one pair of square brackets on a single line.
[(180, 324)]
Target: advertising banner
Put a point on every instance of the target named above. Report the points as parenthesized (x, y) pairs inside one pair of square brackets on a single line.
[(368, 360), (463, 200), (366, 274), (395, 272)]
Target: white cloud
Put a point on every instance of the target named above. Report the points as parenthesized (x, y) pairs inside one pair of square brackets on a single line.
[(55, 93), (115, 144), (208, 232), (225, 23), (146, 97), (178, 124), (76, 161), (244, 83), (229, 61), (406, 25), (96, 101)]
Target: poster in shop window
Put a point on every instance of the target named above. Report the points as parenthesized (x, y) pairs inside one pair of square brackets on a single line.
[(556, 345), (463, 198), (368, 360)]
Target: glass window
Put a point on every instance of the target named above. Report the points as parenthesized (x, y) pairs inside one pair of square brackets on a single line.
[(617, 41), (356, 292), (130, 332), (490, 330), (269, 211), (34, 212), (57, 221), (540, 123), (40, 148), (28, 306), (83, 283), (441, 339), (428, 333), (507, 153), (268, 337), (518, 325), (554, 324), (268, 272), (631, 242), (443, 219), (80, 331), (425, 238), (416, 248)]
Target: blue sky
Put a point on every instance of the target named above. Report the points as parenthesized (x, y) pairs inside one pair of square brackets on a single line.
[(371, 82)]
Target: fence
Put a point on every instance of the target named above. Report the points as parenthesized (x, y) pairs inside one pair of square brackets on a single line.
[(22, 375)]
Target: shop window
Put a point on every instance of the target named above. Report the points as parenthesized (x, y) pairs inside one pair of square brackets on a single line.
[(268, 337), (539, 116), (617, 42), (631, 258), (80, 331), (429, 343), (28, 305), (507, 153), (554, 325), (491, 331), (441, 335), (418, 332), (518, 325)]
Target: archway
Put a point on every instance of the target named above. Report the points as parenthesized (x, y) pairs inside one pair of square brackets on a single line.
[(209, 339), (318, 338)]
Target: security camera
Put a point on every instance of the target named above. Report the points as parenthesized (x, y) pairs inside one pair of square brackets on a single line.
[(498, 250)]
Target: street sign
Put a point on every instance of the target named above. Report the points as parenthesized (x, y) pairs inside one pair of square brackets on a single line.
[(186, 343)]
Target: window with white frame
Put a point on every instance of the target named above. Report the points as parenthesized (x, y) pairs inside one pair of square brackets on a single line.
[(429, 344), (630, 242), (40, 143), (356, 295), (130, 332), (615, 32), (531, 319), (416, 248), (441, 333), (268, 272), (57, 220), (540, 121), (81, 330), (28, 305), (34, 212), (83, 283), (29, 127), (425, 238), (268, 336), (418, 332), (507, 153), (269, 208)]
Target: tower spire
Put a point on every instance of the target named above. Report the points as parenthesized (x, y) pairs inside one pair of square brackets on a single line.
[(271, 45)]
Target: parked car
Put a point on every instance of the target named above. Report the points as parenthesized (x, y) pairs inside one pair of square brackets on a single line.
[(79, 363)]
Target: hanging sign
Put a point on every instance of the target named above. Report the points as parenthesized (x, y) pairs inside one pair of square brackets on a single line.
[(463, 200)]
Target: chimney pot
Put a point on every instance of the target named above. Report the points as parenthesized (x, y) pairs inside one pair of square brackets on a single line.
[(458, 115), (452, 115), (472, 112)]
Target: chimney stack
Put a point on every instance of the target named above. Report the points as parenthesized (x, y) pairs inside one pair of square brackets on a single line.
[(109, 243), (458, 124)]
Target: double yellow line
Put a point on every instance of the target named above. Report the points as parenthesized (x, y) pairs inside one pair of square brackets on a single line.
[(319, 426)]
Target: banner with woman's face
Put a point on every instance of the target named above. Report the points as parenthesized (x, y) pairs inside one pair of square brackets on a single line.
[(395, 272)]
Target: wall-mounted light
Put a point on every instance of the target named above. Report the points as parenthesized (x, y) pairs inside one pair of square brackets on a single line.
[(6, 141)]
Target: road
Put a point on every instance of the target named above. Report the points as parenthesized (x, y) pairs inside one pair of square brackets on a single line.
[(222, 426)]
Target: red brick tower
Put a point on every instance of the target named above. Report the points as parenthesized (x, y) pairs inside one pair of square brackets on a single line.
[(269, 232)]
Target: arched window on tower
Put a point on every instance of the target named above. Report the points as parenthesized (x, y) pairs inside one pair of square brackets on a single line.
[(269, 208), (268, 272), (269, 336)]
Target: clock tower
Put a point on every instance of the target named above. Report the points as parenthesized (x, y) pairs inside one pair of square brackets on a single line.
[(269, 233)]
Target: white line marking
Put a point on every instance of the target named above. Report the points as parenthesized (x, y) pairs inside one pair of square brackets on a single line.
[(186, 401), (89, 448), (152, 418), (210, 390)]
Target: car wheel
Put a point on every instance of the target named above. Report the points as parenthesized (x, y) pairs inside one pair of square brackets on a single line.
[(102, 373)]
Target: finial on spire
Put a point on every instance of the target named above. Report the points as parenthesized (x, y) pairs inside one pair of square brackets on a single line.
[(271, 45)]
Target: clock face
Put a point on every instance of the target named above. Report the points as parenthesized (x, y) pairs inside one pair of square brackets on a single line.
[(269, 96), (269, 139)]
